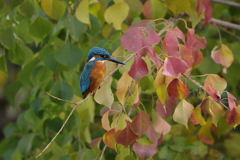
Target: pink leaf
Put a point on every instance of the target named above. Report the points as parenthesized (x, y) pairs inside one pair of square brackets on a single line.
[(186, 55), (144, 149), (213, 93), (173, 66), (153, 57), (170, 44), (138, 69), (95, 142), (194, 44), (151, 134), (206, 7), (231, 102), (166, 110), (137, 37), (160, 125)]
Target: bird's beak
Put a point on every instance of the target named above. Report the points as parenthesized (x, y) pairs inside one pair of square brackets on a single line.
[(114, 60)]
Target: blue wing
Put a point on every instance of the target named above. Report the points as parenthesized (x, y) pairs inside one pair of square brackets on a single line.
[(85, 77)]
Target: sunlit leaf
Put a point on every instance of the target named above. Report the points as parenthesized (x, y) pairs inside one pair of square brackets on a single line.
[(222, 55), (53, 8), (154, 9), (144, 148), (116, 14), (177, 89), (205, 134), (183, 112), (162, 93), (140, 123), (125, 136), (120, 123), (105, 121), (109, 140), (177, 6), (160, 78), (82, 12), (174, 66), (196, 116)]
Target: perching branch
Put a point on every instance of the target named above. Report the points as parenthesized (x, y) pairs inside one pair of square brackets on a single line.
[(225, 24), (229, 3)]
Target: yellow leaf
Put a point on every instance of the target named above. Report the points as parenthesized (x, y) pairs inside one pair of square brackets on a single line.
[(160, 78), (53, 8), (194, 18), (116, 14), (120, 124), (82, 12), (177, 6), (162, 93), (122, 87)]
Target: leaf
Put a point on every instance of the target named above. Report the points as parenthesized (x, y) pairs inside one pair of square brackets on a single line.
[(160, 78), (199, 149), (170, 44), (7, 38), (206, 7), (96, 142), (154, 9), (231, 102), (135, 8), (116, 14), (167, 109), (142, 37), (160, 125), (177, 89), (25, 143), (125, 136), (151, 134), (205, 134), (149, 24), (174, 66), (122, 87), (233, 117), (40, 28), (82, 12), (194, 44), (69, 55), (104, 95), (53, 8), (196, 116), (186, 55), (214, 83), (138, 69), (62, 90), (120, 123), (183, 112), (162, 93), (140, 123), (222, 55), (152, 56), (12, 3), (109, 139), (178, 6), (194, 18), (105, 121), (144, 148)]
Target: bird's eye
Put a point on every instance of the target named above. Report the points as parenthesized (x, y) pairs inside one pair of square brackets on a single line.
[(104, 56)]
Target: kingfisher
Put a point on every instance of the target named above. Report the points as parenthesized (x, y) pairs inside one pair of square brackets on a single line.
[(94, 70)]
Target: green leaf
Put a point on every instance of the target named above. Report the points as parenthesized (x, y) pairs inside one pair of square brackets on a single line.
[(3, 66), (40, 28), (45, 51), (21, 124), (53, 8), (25, 144), (17, 155), (11, 92), (82, 12), (199, 149), (36, 105), (21, 54), (31, 117), (9, 129), (13, 3), (51, 62), (43, 76), (7, 38), (22, 30), (75, 27), (63, 139), (177, 6), (96, 25), (69, 55), (55, 124), (61, 90)]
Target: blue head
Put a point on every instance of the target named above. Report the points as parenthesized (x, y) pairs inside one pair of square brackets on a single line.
[(99, 54)]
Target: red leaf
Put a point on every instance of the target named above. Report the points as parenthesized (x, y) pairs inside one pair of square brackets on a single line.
[(231, 102), (186, 55), (137, 37), (213, 94), (174, 66), (233, 117), (206, 7), (140, 123), (125, 136), (109, 140), (166, 110), (144, 149), (151, 134), (95, 142), (177, 89), (138, 69), (170, 44), (194, 44)]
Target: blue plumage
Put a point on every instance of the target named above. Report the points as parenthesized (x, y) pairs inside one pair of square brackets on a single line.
[(90, 81)]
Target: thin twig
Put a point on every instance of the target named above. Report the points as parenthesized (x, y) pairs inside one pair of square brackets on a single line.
[(229, 3), (225, 24), (61, 99)]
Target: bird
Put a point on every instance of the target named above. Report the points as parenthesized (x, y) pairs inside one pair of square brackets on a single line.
[(94, 70)]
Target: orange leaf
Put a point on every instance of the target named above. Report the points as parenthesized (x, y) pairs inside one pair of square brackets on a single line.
[(140, 123), (196, 116), (205, 134), (177, 89), (105, 121), (109, 140)]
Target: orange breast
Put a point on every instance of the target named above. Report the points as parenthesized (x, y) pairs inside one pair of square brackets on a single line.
[(97, 75)]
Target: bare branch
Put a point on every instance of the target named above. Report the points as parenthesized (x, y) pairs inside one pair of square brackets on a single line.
[(229, 3), (225, 24)]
